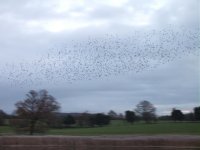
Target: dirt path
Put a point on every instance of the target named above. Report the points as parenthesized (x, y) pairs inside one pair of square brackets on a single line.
[(107, 142)]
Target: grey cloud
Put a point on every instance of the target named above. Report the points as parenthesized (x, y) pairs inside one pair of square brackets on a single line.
[(125, 92), (180, 13), (169, 85), (23, 9)]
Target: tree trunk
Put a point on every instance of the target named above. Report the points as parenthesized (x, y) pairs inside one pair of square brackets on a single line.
[(32, 127)]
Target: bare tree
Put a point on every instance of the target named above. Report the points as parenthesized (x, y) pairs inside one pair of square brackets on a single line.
[(146, 110), (112, 114), (37, 107)]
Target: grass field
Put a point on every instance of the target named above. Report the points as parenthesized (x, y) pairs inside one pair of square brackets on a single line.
[(123, 128), (6, 130), (120, 128)]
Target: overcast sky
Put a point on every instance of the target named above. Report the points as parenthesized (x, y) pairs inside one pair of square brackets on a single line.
[(102, 54)]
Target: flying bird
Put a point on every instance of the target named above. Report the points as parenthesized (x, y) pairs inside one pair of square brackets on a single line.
[(103, 56)]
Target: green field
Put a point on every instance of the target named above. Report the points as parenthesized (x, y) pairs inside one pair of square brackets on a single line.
[(5, 130), (123, 128), (120, 128)]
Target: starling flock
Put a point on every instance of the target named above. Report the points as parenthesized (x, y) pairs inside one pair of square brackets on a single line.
[(104, 56)]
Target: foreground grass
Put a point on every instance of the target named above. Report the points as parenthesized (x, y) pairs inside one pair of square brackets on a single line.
[(123, 128), (120, 128)]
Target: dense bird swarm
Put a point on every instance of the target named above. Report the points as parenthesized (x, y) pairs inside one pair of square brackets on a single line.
[(103, 56)]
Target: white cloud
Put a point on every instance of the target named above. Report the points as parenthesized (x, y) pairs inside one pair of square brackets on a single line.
[(61, 25), (62, 15), (113, 3), (140, 19)]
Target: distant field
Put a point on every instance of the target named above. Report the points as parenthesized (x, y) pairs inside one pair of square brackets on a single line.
[(123, 128), (120, 128)]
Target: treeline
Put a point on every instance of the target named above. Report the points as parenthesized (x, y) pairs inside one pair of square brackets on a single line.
[(178, 115), (40, 111), (85, 119)]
